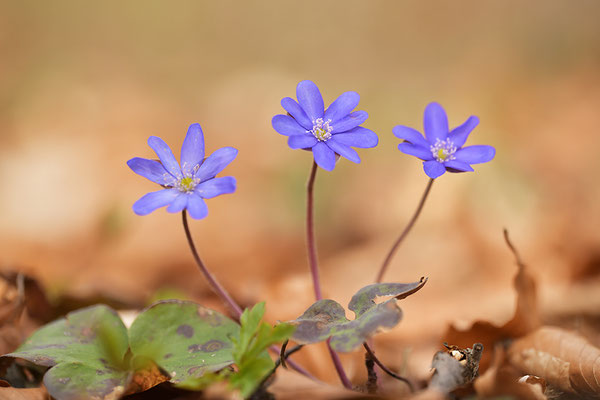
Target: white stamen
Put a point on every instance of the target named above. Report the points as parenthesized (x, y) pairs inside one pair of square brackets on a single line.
[(443, 150), (321, 129)]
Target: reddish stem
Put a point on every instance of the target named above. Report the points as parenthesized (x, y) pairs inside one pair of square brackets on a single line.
[(404, 233)]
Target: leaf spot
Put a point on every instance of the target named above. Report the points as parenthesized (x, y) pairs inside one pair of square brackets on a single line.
[(185, 330)]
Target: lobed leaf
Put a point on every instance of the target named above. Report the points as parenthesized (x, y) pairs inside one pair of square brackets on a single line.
[(326, 319), (183, 338), (86, 351), (363, 300), (322, 321)]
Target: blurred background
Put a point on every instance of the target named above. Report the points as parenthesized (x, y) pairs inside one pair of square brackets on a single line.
[(83, 85)]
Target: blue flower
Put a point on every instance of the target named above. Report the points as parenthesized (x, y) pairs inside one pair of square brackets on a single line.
[(187, 186), (442, 150), (325, 132)]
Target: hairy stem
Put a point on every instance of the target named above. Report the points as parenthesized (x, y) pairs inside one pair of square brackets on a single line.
[(314, 267), (404, 233), (310, 233), (216, 286)]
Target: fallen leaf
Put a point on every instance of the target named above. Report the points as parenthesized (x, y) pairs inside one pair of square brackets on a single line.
[(502, 379), (525, 319), (562, 358), (9, 393)]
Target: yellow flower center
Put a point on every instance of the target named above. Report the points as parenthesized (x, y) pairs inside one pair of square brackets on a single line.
[(186, 184)]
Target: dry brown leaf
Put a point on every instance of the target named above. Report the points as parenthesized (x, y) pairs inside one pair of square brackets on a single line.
[(562, 358), (9, 393), (501, 379), (526, 317)]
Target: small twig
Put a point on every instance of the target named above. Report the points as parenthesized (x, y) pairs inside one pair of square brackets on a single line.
[(386, 369), (371, 374)]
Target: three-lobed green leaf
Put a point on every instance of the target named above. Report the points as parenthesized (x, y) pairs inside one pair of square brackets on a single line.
[(326, 319)]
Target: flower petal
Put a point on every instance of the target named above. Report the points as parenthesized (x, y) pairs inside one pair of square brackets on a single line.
[(296, 112), (215, 163), (433, 169), (192, 151), (435, 123), (164, 153), (475, 154), (410, 135), (153, 200), (179, 203), (286, 125), (152, 170), (310, 99), (424, 153), (459, 135), (302, 141), (216, 187), (324, 156), (341, 107), (343, 150), (458, 166), (349, 122), (196, 206), (358, 137)]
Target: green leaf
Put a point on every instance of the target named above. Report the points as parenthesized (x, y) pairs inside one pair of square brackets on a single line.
[(250, 352), (250, 322), (327, 319), (184, 339), (86, 351)]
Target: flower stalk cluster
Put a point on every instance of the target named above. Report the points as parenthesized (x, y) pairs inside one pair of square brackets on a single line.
[(330, 134)]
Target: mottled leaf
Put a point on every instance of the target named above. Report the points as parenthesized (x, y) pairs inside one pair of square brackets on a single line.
[(327, 319), (364, 298), (323, 321), (319, 321), (78, 381), (86, 351), (183, 338)]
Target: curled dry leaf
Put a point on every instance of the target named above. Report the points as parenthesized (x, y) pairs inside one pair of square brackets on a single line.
[(562, 358), (526, 317)]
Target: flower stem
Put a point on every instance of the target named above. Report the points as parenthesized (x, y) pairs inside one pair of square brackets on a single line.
[(404, 233), (314, 267), (339, 367), (310, 233), (220, 290)]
